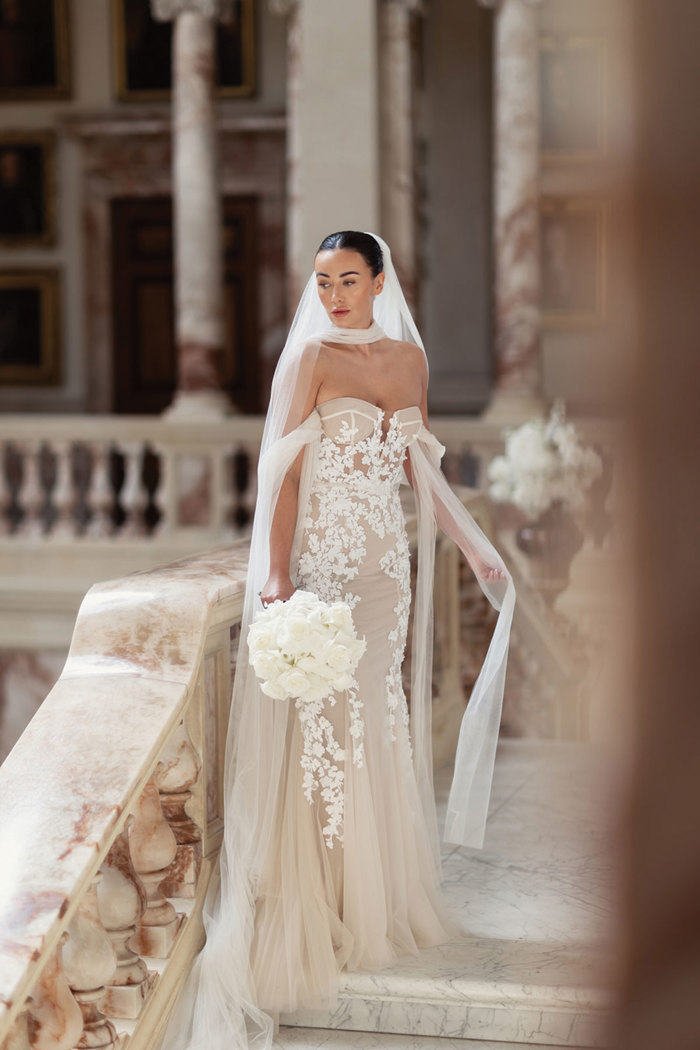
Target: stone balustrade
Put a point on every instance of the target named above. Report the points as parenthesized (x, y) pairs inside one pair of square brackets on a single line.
[(91, 478), (111, 802)]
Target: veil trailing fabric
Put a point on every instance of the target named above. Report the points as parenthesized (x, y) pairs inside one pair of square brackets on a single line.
[(216, 1008)]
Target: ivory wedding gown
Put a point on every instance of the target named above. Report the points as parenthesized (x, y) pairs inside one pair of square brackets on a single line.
[(330, 857), (350, 878)]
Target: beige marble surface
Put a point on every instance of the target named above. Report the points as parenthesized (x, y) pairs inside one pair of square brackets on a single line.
[(65, 785), (537, 906)]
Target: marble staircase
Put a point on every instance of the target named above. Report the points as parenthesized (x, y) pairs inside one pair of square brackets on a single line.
[(535, 965)]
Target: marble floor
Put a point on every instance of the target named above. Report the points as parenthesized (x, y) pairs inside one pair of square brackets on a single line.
[(537, 906)]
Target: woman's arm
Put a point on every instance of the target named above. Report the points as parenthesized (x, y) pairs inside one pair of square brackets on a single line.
[(443, 515), (279, 583)]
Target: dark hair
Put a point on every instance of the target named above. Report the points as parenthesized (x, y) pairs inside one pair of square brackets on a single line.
[(356, 241)]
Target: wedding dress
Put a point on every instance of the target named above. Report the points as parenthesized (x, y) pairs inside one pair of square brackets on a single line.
[(351, 880), (312, 877)]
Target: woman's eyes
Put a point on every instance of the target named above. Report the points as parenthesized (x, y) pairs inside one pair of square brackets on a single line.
[(324, 284)]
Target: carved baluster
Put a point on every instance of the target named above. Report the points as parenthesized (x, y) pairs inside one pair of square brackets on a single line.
[(90, 963), (163, 494), (100, 498), (18, 1037), (134, 498), (250, 492), (228, 496), (55, 1021), (5, 494), (121, 897), (31, 493), (241, 481), (178, 771), (62, 495), (153, 848)]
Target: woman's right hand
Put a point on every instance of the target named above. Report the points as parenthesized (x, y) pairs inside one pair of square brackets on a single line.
[(278, 586)]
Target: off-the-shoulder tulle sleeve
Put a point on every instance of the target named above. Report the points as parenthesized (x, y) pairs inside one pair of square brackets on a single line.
[(436, 503)]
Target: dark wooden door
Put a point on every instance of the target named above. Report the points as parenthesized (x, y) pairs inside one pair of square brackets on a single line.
[(144, 361)]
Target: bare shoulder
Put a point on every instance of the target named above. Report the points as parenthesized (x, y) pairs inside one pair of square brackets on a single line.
[(413, 353), (406, 346)]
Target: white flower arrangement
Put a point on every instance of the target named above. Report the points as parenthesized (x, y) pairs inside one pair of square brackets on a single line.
[(544, 462), (304, 648)]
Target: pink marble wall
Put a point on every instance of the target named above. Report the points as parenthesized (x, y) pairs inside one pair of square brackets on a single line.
[(26, 677)]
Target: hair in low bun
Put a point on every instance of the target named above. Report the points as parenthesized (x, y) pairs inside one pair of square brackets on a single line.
[(356, 241)]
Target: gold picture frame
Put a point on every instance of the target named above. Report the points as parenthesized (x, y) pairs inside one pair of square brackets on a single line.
[(142, 53), (34, 50), (573, 98), (27, 189), (30, 335), (573, 250)]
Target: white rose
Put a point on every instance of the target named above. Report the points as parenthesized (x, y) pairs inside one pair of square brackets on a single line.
[(274, 690), (310, 663), (294, 681), (265, 664), (341, 617), (338, 657), (260, 636), (293, 634)]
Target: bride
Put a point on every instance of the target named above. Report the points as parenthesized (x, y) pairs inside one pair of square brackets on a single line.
[(330, 858)]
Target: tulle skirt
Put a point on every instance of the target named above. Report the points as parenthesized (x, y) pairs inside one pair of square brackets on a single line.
[(365, 901)]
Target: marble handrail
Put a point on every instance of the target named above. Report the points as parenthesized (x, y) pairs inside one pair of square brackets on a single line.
[(132, 730)]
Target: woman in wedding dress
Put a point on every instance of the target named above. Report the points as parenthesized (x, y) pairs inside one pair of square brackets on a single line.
[(330, 859)]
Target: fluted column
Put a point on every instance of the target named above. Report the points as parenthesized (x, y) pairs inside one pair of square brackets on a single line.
[(518, 383), (199, 315), (397, 120)]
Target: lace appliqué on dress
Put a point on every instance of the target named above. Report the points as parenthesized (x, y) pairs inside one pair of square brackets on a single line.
[(355, 488)]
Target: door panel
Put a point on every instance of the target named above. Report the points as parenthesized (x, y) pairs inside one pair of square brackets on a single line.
[(145, 360)]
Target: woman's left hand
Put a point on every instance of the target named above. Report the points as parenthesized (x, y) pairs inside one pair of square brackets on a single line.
[(490, 573)]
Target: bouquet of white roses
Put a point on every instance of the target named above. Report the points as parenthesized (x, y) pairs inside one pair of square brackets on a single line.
[(544, 461), (304, 648)]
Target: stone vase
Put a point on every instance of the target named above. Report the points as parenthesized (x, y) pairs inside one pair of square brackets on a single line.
[(550, 542)]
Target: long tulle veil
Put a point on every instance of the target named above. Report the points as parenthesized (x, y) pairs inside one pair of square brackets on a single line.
[(215, 1009)]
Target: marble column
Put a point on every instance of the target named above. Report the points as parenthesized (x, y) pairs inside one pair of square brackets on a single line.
[(199, 314), (518, 382), (397, 122), (333, 134)]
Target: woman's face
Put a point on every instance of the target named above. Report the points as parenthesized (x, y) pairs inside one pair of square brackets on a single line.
[(346, 287)]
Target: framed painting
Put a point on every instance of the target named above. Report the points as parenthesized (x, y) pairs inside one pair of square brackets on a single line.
[(573, 98), (27, 188), (34, 50), (143, 52), (573, 234), (29, 328)]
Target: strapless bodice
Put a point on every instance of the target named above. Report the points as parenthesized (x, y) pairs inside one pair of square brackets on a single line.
[(352, 419), (356, 452)]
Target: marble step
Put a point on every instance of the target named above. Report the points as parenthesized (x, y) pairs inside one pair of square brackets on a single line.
[(522, 1000), (535, 963), (323, 1039)]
